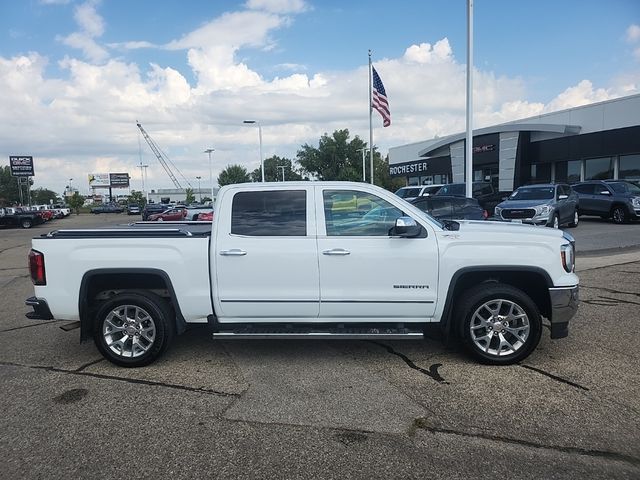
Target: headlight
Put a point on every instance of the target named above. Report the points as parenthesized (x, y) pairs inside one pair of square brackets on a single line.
[(497, 211), (635, 201), (543, 210), (567, 255)]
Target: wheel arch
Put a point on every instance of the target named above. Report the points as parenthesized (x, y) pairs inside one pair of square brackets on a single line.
[(533, 281), (123, 279)]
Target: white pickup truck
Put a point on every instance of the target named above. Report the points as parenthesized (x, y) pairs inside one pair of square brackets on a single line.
[(308, 260)]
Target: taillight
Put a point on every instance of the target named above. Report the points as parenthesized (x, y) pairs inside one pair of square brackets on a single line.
[(36, 267)]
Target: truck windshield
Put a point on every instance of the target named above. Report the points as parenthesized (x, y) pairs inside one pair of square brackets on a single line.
[(530, 193)]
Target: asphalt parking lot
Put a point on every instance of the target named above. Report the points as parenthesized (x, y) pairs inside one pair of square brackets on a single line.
[(318, 409)]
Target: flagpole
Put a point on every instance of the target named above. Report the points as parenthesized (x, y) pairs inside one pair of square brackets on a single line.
[(370, 121), (469, 136)]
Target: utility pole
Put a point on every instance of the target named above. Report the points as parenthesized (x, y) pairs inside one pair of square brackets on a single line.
[(209, 151), (199, 190), (282, 167)]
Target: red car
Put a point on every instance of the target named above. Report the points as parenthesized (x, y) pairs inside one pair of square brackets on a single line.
[(173, 214), (205, 217)]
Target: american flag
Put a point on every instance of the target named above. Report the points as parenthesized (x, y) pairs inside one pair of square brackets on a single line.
[(379, 100)]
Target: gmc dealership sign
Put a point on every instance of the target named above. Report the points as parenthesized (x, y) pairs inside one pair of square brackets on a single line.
[(21, 166)]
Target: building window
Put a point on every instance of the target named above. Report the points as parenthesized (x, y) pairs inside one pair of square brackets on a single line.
[(629, 167), (568, 172), (598, 168), (541, 173)]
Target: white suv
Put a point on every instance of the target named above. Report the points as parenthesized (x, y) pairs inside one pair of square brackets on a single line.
[(409, 193)]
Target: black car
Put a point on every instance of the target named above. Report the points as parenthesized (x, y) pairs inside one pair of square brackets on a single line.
[(107, 208), (484, 192), (615, 199), (448, 207)]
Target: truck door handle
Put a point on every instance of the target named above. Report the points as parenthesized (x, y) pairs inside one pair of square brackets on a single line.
[(234, 252), (336, 251)]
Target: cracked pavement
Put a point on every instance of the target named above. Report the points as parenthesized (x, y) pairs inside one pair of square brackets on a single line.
[(318, 409)]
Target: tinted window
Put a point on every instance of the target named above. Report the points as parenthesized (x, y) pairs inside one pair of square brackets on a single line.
[(586, 189), (533, 193), (452, 189), (271, 213), (623, 187), (352, 213), (408, 192)]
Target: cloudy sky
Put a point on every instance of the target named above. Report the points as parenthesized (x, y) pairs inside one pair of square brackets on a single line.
[(76, 75)]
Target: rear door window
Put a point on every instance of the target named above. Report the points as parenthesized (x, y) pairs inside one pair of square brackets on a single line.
[(586, 189), (270, 213)]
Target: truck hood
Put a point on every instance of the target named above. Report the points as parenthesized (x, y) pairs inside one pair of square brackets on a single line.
[(507, 228)]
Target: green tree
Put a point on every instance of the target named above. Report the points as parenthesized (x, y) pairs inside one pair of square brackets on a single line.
[(8, 187), (336, 157), (381, 175), (41, 196), (137, 198), (191, 197), (233, 174), (76, 201), (274, 174)]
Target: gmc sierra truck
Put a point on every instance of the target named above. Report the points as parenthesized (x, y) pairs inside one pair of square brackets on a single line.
[(308, 260)]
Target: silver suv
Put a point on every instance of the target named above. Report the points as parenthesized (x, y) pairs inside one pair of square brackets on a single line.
[(552, 205), (409, 193)]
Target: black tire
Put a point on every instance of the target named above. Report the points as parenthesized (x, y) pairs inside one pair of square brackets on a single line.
[(576, 219), (619, 214), (151, 314), (26, 223), (485, 343), (555, 221), (195, 217)]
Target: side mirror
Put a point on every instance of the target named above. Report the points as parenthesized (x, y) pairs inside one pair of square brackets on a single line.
[(563, 197), (406, 227), (605, 192)]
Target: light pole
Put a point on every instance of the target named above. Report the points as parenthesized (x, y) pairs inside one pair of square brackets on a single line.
[(363, 150), (255, 122), (282, 167), (209, 151), (70, 188), (200, 191)]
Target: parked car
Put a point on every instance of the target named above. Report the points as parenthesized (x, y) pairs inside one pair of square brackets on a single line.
[(615, 199), (172, 214), (448, 207), (152, 208), (484, 192), (206, 216), (19, 217), (194, 211), (107, 208), (549, 204), (409, 193), (133, 209)]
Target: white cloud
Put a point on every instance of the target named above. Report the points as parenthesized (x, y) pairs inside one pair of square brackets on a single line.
[(91, 26), (278, 6), (633, 33), (425, 53)]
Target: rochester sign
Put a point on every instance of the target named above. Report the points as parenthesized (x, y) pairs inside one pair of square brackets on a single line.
[(21, 166), (408, 168)]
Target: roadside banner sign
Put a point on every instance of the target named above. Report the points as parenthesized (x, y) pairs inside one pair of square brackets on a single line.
[(21, 166), (99, 180), (119, 180)]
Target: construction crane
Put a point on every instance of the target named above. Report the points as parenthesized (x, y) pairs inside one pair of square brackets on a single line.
[(163, 159)]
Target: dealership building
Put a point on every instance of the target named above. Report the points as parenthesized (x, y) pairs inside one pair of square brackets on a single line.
[(597, 141)]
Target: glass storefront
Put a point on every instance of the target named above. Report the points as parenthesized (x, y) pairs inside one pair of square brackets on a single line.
[(568, 172), (629, 168), (541, 173), (598, 168)]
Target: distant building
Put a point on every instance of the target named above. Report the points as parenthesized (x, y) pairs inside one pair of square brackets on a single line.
[(596, 141), (177, 195)]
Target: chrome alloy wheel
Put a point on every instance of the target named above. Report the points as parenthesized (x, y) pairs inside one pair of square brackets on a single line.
[(129, 331), (499, 327)]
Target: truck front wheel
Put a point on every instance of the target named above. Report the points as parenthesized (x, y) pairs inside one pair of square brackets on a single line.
[(133, 329), (501, 323)]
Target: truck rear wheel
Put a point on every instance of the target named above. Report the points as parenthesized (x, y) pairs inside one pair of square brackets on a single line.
[(501, 324), (133, 329), (26, 223)]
